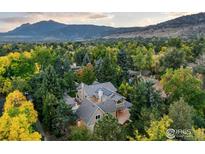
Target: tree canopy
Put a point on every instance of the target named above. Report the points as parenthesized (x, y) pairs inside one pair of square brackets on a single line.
[(108, 129), (18, 119)]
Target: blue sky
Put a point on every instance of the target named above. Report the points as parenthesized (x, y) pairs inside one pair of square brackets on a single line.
[(9, 21)]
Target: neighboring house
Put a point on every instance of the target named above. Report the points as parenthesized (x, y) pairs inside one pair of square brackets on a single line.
[(74, 67), (200, 61), (156, 85), (98, 99), (133, 73), (146, 77)]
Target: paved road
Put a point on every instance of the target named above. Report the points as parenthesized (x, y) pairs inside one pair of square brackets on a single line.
[(40, 129), (1, 104)]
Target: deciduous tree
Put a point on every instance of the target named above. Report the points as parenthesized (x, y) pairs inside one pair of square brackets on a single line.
[(156, 131), (181, 114), (17, 119), (182, 83), (86, 74), (80, 134)]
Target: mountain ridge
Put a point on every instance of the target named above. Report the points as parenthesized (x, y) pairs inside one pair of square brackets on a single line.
[(184, 26)]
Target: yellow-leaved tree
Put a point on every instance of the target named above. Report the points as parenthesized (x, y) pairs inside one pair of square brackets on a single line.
[(156, 132), (18, 117)]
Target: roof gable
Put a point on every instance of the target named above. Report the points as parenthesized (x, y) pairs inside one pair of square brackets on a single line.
[(69, 100), (86, 110)]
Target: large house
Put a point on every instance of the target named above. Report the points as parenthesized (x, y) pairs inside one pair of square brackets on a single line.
[(93, 101)]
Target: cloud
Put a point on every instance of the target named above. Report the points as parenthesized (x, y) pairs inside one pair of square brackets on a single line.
[(98, 16), (14, 19), (11, 22), (67, 16)]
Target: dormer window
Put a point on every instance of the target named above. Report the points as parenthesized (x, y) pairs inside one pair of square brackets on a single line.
[(119, 101), (120, 104), (97, 117)]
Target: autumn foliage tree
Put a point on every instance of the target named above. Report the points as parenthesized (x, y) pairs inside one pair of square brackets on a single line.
[(18, 118), (86, 74), (156, 131)]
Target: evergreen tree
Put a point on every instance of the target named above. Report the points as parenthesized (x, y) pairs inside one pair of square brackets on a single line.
[(123, 62), (43, 83), (51, 82), (79, 56), (108, 129), (106, 70), (50, 103), (64, 73), (63, 119), (146, 105), (57, 116), (62, 65)]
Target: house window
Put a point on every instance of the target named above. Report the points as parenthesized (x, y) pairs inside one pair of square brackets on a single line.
[(97, 117)]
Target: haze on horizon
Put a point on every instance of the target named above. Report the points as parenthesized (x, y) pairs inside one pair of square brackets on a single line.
[(9, 21)]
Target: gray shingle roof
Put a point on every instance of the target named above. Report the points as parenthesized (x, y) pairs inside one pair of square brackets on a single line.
[(105, 91), (128, 104), (86, 110), (69, 100), (108, 85), (91, 89), (108, 106), (117, 97)]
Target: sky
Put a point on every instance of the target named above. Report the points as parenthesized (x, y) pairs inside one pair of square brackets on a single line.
[(9, 21)]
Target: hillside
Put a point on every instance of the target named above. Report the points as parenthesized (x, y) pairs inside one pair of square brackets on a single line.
[(185, 27)]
